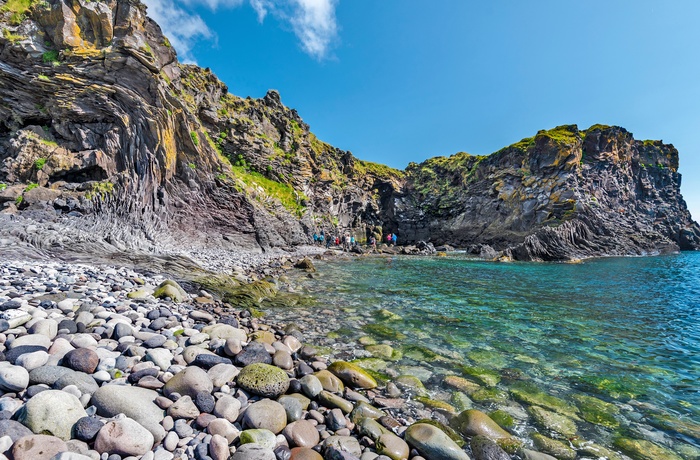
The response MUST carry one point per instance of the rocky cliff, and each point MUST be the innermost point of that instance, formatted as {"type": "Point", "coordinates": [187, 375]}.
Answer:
{"type": "Point", "coordinates": [108, 144]}
{"type": "Point", "coordinates": [562, 194]}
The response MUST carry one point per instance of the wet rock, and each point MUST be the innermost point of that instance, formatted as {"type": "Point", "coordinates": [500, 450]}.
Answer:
{"type": "Point", "coordinates": [433, 443]}
{"type": "Point", "coordinates": [86, 428]}
{"type": "Point", "coordinates": [553, 422]}
{"type": "Point", "coordinates": [639, 449]}
{"type": "Point", "coordinates": [392, 446]}
{"type": "Point", "coordinates": [485, 449]}
{"type": "Point", "coordinates": [555, 448]}
{"type": "Point", "coordinates": [352, 375]}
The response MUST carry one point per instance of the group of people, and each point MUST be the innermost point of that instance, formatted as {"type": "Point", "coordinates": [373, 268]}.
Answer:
{"type": "Point", "coordinates": [348, 241]}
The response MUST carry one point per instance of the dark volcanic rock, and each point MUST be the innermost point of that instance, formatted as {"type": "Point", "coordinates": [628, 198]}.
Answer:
{"type": "Point", "coordinates": [164, 180]}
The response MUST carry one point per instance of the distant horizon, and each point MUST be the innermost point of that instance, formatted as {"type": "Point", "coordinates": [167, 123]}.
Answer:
{"type": "Point", "coordinates": [396, 82]}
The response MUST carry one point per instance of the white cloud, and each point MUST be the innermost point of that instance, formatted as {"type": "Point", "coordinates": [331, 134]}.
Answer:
{"type": "Point", "coordinates": [182, 28]}
{"type": "Point", "coordinates": [313, 21]}
{"type": "Point", "coordinates": [262, 7]}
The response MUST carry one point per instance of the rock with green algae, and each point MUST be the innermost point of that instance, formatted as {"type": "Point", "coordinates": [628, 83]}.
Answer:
{"type": "Point", "coordinates": [369, 427]}
{"type": "Point", "coordinates": [263, 336]}
{"type": "Point", "coordinates": [553, 447]}
{"type": "Point", "coordinates": [490, 395]}
{"type": "Point", "coordinates": [473, 422]}
{"type": "Point", "coordinates": [461, 401]}
{"type": "Point", "coordinates": [367, 340]}
{"type": "Point", "coordinates": [481, 375]}
{"type": "Point", "coordinates": [170, 288]}
{"type": "Point", "coordinates": [332, 400]}
{"type": "Point", "coordinates": [679, 425]}
{"type": "Point", "coordinates": [139, 294]}
{"type": "Point", "coordinates": [596, 411]}
{"type": "Point", "coordinates": [528, 393]}
{"type": "Point", "coordinates": [371, 364]}
{"type": "Point", "coordinates": [411, 383]}
{"type": "Point", "coordinates": [386, 315]}
{"type": "Point", "coordinates": [352, 375]}
{"type": "Point", "coordinates": [462, 384]}
{"type": "Point", "coordinates": [384, 351]}
{"type": "Point", "coordinates": [329, 381]}
{"type": "Point", "coordinates": [640, 449]}
{"type": "Point", "coordinates": [552, 421]}
{"type": "Point", "coordinates": [454, 436]}
{"type": "Point", "coordinates": [433, 443]}
{"type": "Point", "coordinates": [365, 410]}
{"type": "Point", "coordinates": [263, 379]}
{"type": "Point", "coordinates": [265, 438]}
{"type": "Point", "coordinates": [383, 331]}
{"type": "Point", "coordinates": [436, 404]}
{"type": "Point", "coordinates": [419, 353]}
{"type": "Point", "coordinates": [594, 450]}
{"type": "Point", "coordinates": [503, 418]}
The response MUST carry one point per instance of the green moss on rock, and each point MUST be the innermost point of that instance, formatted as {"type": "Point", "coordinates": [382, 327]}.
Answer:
{"type": "Point", "coordinates": [528, 393]}
{"type": "Point", "coordinates": [352, 375]}
{"type": "Point", "coordinates": [170, 288]}
{"type": "Point", "coordinates": [503, 418]}
{"type": "Point", "coordinates": [596, 411]}
{"type": "Point", "coordinates": [436, 404]}
{"type": "Point", "coordinates": [264, 380]}
{"type": "Point", "coordinates": [481, 375]}
{"type": "Point", "coordinates": [453, 435]}
{"type": "Point", "coordinates": [553, 447]}
{"type": "Point", "coordinates": [384, 331]}
{"type": "Point", "coordinates": [640, 449]}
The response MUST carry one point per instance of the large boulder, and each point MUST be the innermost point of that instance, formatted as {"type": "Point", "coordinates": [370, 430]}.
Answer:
{"type": "Point", "coordinates": [52, 412]}
{"type": "Point", "coordinates": [135, 402]}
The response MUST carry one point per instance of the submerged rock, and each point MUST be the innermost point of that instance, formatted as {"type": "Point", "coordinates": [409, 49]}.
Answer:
{"type": "Point", "coordinates": [433, 443]}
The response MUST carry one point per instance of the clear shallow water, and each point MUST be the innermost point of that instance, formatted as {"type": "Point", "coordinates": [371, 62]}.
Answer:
{"type": "Point", "coordinates": [626, 330]}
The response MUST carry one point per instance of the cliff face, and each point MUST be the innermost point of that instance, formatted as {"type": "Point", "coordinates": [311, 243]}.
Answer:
{"type": "Point", "coordinates": [108, 144]}
{"type": "Point", "coordinates": [562, 194]}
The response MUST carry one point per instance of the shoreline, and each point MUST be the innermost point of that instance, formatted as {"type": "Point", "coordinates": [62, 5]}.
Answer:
{"type": "Point", "coordinates": [400, 400]}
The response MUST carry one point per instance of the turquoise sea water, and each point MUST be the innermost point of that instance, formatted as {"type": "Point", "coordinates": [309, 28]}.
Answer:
{"type": "Point", "coordinates": [624, 330]}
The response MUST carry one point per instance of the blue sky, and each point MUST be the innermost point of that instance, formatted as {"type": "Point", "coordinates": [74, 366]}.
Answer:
{"type": "Point", "coordinates": [396, 81]}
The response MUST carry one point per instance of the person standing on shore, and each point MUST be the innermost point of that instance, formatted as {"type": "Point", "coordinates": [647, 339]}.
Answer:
{"type": "Point", "coordinates": [373, 243]}
{"type": "Point", "coordinates": [388, 239]}
{"type": "Point", "coordinates": [393, 239]}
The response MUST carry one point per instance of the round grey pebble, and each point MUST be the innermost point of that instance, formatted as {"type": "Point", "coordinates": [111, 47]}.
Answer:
{"type": "Point", "coordinates": [205, 402]}
{"type": "Point", "coordinates": [86, 428]}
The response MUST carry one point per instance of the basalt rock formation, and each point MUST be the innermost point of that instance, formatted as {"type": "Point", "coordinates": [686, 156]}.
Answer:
{"type": "Point", "coordinates": [109, 145]}
{"type": "Point", "coordinates": [562, 194]}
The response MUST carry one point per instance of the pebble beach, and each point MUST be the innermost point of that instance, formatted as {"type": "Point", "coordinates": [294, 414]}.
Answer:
{"type": "Point", "coordinates": [108, 363]}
